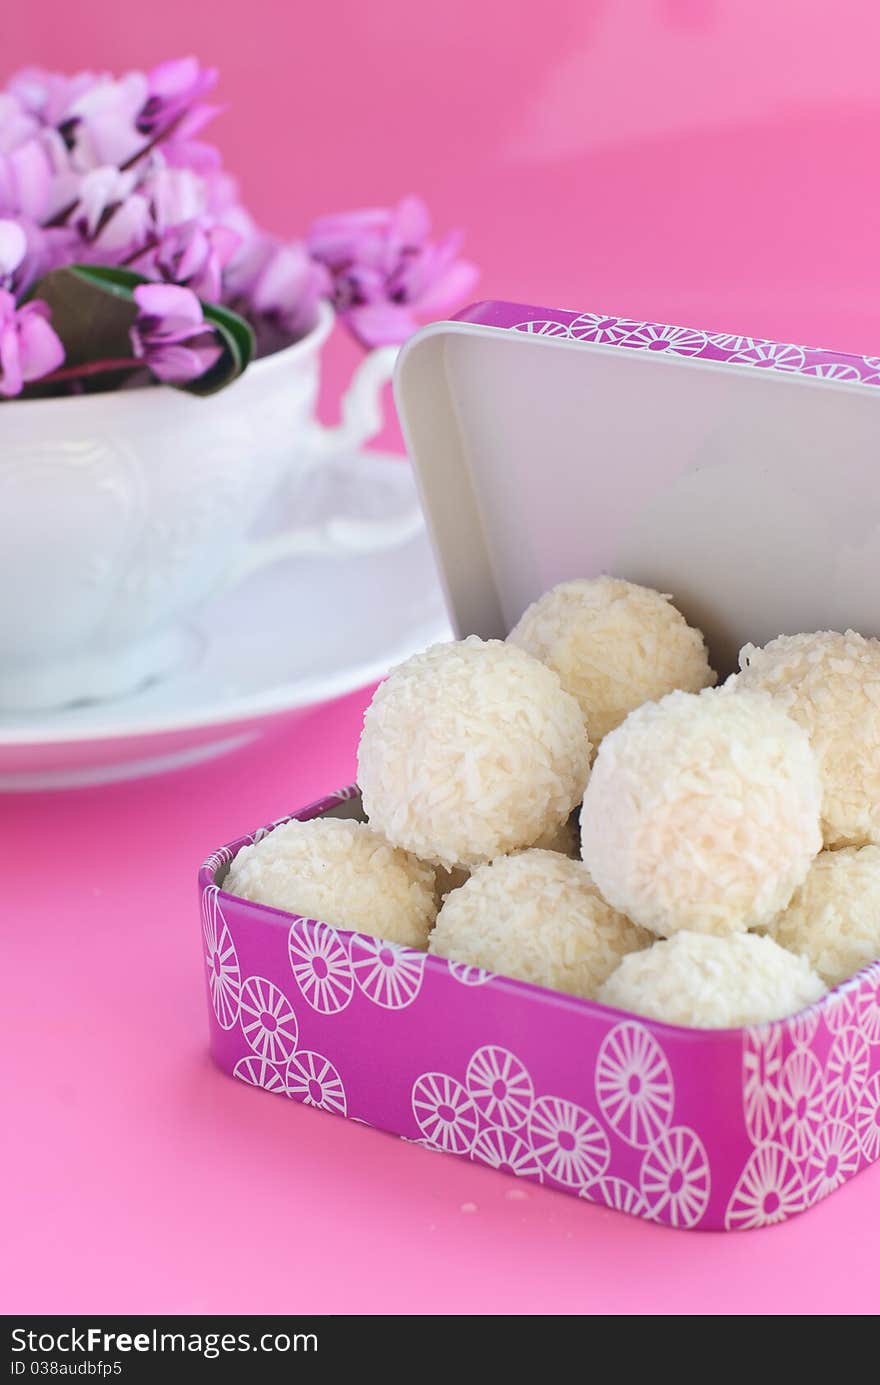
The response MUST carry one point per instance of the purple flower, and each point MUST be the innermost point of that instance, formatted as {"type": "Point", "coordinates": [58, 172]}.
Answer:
{"type": "Point", "coordinates": [170, 334]}
{"type": "Point", "coordinates": [48, 96]}
{"type": "Point", "coordinates": [279, 285]}
{"type": "Point", "coordinates": [100, 125]}
{"type": "Point", "coordinates": [112, 216]}
{"type": "Point", "coordinates": [181, 150]}
{"type": "Point", "coordinates": [194, 254]}
{"type": "Point", "coordinates": [29, 348]}
{"type": "Point", "coordinates": [176, 194]}
{"type": "Point", "coordinates": [17, 125]}
{"type": "Point", "coordinates": [36, 178]}
{"type": "Point", "coordinates": [174, 89]}
{"type": "Point", "coordinates": [114, 171]}
{"type": "Point", "coordinates": [186, 244]}
{"type": "Point", "coordinates": [13, 248]}
{"type": "Point", "coordinates": [385, 270]}
{"type": "Point", "coordinates": [28, 251]}
{"type": "Point", "coordinates": [222, 199]}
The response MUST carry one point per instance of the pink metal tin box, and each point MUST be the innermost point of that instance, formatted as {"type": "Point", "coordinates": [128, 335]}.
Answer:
{"type": "Point", "coordinates": [740, 475]}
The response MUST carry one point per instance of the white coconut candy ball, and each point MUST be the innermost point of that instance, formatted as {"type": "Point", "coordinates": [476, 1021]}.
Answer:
{"type": "Point", "coordinates": [702, 812]}
{"type": "Point", "coordinates": [536, 916]}
{"type": "Point", "coordinates": [614, 645]}
{"type": "Point", "coordinates": [834, 918]}
{"type": "Point", "coordinates": [830, 684]}
{"type": "Point", "coordinates": [565, 839]}
{"type": "Point", "coordinates": [471, 750]}
{"type": "Point", "coordinates": [713, 983]}
{"type": "Point", "coordinates": [341, 872]}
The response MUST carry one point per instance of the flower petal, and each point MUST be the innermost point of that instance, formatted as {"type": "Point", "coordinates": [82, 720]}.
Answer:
{"type": "Point", "coordinates": [13, 246]}
{"type": "Point", "coordinates": [178, 365]}
{"type": "Point", "coordinates": [179, 308]}
{"type": "Point", "coordinates": [40, 347]}
{"type": "Point", "coordinates": [381, 324]}
{"type": "Point", "coordinates": [453, 287]}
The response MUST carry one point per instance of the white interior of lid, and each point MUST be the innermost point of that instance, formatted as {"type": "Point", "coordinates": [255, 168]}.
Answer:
{"type": "Point", "coordinates": [752, 496]}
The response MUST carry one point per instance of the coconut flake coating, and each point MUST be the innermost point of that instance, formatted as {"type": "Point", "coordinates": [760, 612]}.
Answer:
{"type": "Point", "coordinates": [834, 918]}
{"type": "Point", "coordinates": [341, 872]}
{"type": "Point", "coordinates": [471, 750]}
{"type": "Point", "coordinates": [565, 839]}
{"type": "Point", "coordinates": [702, 812]}
{"type": "Point", "coordinates": [830, 684]}
{"type": "Point", "coordinates": [713, 983]}
{"type": "Point", "coordinates": [614, 645]}
{"type": "Point", "coordinates": [536, 916]}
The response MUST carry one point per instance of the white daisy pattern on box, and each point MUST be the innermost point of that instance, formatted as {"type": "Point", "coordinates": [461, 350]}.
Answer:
{"type": "Point", "coordinates": [634, 1085]}
{"type": "Point", "coordinates": [312, 1079]}
{"type": "Point", "coordinates": [505, 1150]}
{"type": "Point", "coordinates": [675, 1179]}
{"type": "Point", "coordinates": [390, 975]}
{"type": "Point", "coordinates": [264, 831]}
{"type": "Point", "coordinates": [345, 795]}
{"type": "Point", "coordinates": [846, 1069]}
{"type": "Point", "coordinates": [803, 1102]}
{"type": "Point", "coordinates": [218, 859]}
{"type": "Point", "coordinates": [839, 1010]}
{"type": "Point", "coordinates": [770, 355]}
{"type": "Point", "coordinates": [803, 1027]}
{"type": "Point", "coordinates": [444, 1112]}
{"type": "Point", "coordinates": [542, 328]}
{"type": "Point", "coordinates": [599, 327]}
{"type": "Point", "coordinates": [762, 1065]}
{"type": "Point", "coordinates": [868, 1118]}
{"type": "Point", "coordinates": [320, 965]}
{"type": "Point", "coordinates": [500, 1087]}
{"type": "Point", "coordinates": [257, 1072]}
{"type": "Point", "coordinates": [469, 976]}
{"type": "Point", "coordinates": [677, 341]}
{"type": "Point", "coordinates": [267, 1020]}
{"type": "Point", "coordinates": [221, 960]}
{"type": "Point", "coordinates": [609, 330]}
{"type": "Point", "coordinates": [728, 342]}
{"type": "Point", "coordinates": [833, 1158]}
{"type": "Point", "coordinates": [769, 1190]}
{"type": "Point", "coordinates": [866, 1010]}
{"type": "Point", "coordinates": [570, 1143]}
{"type": "Point", "coordinates": [833, 370]}
{"type": "Point", "coordinates": [615, 1193]}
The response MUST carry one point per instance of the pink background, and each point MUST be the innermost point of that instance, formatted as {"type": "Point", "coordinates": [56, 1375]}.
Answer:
{"type": "Point", "coordinates": [706, 163]}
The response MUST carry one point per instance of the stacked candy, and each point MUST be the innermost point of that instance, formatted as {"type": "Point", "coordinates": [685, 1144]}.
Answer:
{"type": "Point", "coordinates": [700, 895]}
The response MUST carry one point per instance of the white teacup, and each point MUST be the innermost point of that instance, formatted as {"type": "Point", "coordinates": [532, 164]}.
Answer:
{"type": "Point", "coordinates": [121, 512]}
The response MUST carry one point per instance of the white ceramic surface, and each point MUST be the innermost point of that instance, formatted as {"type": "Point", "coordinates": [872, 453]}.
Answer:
{"type": "Point", "coordinates": [121, 513]}
{"type": "Point", "coordinates": [290, 636]}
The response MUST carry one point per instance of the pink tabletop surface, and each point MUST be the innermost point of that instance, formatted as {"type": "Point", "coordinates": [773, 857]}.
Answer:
{"type": "Point", "coordinates": [679, 160]}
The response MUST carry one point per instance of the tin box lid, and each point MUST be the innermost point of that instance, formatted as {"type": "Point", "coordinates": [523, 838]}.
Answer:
{"type": "Point", "coordinates": [740, 475]}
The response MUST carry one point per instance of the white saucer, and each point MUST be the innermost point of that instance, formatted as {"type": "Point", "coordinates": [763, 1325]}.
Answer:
{"type": "Point", "coordinates": [296, 634]}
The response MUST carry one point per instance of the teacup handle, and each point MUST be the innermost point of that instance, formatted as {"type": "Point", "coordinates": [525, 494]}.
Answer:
{"type": "Point", "coordinates": [363, 524]}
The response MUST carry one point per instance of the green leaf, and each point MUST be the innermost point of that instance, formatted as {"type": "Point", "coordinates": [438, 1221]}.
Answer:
{"type": "Point", "coordinates": [93, 309]}
{"type": "Point", "coordinates": [121, 282]}
{"type": "Point", "coordinates": [236, 327]}
{"type": "Point", "coordinates": [92, 322]}
{"type": "Point", "coordinates": [238, 341]}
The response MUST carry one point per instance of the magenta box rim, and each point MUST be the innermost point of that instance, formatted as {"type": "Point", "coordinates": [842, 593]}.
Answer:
{"type": "Point", "coordinates": [725, 1117]}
